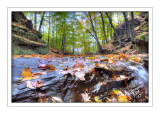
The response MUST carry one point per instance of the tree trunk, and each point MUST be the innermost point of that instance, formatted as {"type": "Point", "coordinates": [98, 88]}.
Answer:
{"type": "Point", "coordinates": [115, 32]}
{"type": "Point", "coordinates": [42, 18]}
{"type": "Point", "coordinates": [110, 21]}
{"type": "Point", "coordinates": [43, 33]}
{"type": "Point", "coordinates": [63, 46]}
{"type": "Point", "coordinates": [132, 17]}
{"type": "Point", "coordinates": [35, 20]}
{"type": "Point", "coordinates": [132, 30]}
{"type": "Point", "coordinates": [52, 33]}
{"type": "Point", "coordinates": [127, 25]}
{"type": "Point", "coordinates": [49, 28]}
{"type": "Point", "coordinates": [103, 27]}
{"type": "Point", "coordinates": [95, 34]}
{"type": "Point", "coordinates": [56, 32]}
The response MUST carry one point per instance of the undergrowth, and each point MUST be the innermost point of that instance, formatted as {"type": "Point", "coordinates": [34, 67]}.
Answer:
{"type": "Point", "coordinates": [19, 50]}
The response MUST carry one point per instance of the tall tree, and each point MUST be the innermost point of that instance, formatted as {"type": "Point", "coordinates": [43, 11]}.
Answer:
{"type": "Point", "coordinates": [115, 32]}
{"type": "Point", "coordinates": [56, 31]}
{"type": "Point", "coordinates": [35, 20]}
{"type": "Point", "coordinates": [132, 28]}
{"type": "Point", "coordinates": [127, 27]}
{"type": "Point", "coordinates": [103, 26]}
{"type": "Point", "coordinates": [42, 19]}
{"type": "Point", "coordinates": [52, 32]}
{"type": "Point", "coordinates": [63, 41]}
{"type": "Point", "coordinates": [49, 27]}
{"type": "Point", "coordinates": [95, 34]}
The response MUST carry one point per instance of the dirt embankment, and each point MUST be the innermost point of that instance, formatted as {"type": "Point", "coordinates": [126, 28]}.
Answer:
{"type": "Point", "coordinates": [131, 45]}
{"type": "Point", "coordinates": [25, 38]}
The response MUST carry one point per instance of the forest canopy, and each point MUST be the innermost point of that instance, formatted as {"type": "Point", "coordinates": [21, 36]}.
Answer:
{"type": "Point", "coordinates": [78, 32]}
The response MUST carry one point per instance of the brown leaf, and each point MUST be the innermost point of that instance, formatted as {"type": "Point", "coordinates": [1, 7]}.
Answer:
{"type": "Point", "coordinates": [46, 66]}
{"type": "Point", "coordinates": [78, 65]}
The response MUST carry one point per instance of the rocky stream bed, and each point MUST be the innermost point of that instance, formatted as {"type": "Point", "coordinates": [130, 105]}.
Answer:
{"type": "Point", "coordinates": [81, 79]}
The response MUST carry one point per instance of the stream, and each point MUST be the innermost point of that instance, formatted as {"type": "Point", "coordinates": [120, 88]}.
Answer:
{"type": "Point", "coordinates": [63, 86]}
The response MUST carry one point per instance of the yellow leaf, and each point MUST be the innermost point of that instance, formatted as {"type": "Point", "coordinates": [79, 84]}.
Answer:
{"type": "Point", "coordinates": [122, 99]}
{"type": "Point", "coordinates": [26, 72]}
{"type": "Point", "coordinates": [90, 58]}
{"type": "Point", "coordinates": [97, 100]}
{"type": "Point", "coordinates": [111, 61]}
{"type": "Point", "coordinates": [117, 92]}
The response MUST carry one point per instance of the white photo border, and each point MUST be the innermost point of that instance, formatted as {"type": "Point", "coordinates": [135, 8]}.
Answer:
{"type": "Point", "coordinates": [9, 48]}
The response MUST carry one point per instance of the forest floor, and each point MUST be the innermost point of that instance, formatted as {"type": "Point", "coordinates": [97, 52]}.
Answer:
{"type": "Point", "coordinates": [80, 78]}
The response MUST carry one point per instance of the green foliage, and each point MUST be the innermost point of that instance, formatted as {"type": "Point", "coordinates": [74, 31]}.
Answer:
{"type": "Point", "coordinates": [144, 37]}
{"type": "Point", "coordinates": [73, 27]}
{"type": "Point", "coordinates": [16, 50]}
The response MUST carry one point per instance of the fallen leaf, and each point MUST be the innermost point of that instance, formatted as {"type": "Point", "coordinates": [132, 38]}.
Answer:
{"type": "Point", "coordinates": [114, 100]}
{"type": "Point", "coordinates": [118, 92]}
{"type": "Point", "coordinates": [90, 58]}
{"type": "Point", "coordinates": [67, 72]}
{"type": "Point", "coordinates": [37, 84]}
{"type": "Point", "coordinates": [80, 75]}
{"type": "Point", "coordinates": [122, 99]}
{"type": "Point", "coordinates": [38, 73]}
{"type": "Point", "coordinates": [26, 72]}
{"type": "Point", "coordinates": [137, 59]}
{"type": "Point", "coordinates": [57, 100]}
{"type": "Point", "coordinates": [106, 59]}
{"type": "Point", "coordinates": [29, 85]}
{"type": "Point", "coordinates": [97, 65]}
{"type": "Point", "coordinates": [85, 97]}
{"type": "Point", "coordinates": [33, 55]}
{"type": "Point", "coordinates": [46, 66]}
{"type": "Point", "coordinates": [111, 61]}
{"type": "Point", "coordinates": [78, 65]}
{"type": "Point", "coordinates": [34, 85]}
{"type": "Point", "coordinates": [42, 98]}
{"type": "Point", "coordinates": [97, 99]}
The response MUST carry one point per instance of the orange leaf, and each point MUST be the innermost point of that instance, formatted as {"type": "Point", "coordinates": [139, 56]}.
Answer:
{"type": "Point", "coordinates": [111, 61]}
{"type": "Point", "coordinates": [26, 72]}
{"type": "Point", "coordinates": [106, 59]}
{"type": "Point", "coordinates": [33, 55]}
{"type": "Point", "coordinates": [137, 59]}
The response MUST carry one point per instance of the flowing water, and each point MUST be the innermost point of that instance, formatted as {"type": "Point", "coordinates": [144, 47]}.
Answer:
{"type": "Point", "coordinates": [139, 72]}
